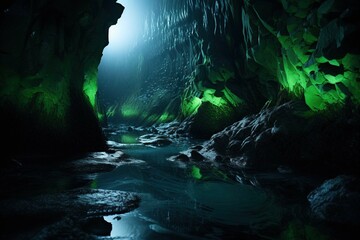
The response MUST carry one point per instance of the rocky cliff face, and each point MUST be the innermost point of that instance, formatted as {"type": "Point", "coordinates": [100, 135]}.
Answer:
{"type": "Point", "coordinates": [215, 61]}
{"type": "Point", "coordinates": [49, 53]}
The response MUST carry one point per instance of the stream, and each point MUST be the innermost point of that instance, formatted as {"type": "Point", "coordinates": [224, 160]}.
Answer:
{"type": "Point", "coordinates": [183, 200]}
{"type": "Point", "coordinates": [97, 194]}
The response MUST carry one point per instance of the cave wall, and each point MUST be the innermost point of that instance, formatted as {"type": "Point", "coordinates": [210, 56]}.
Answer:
{"type": "Point", "coordinates": [49, 54]}
{"type": "Point", "coordinates": [213, 62]}
{"type": "Point", "coordinates": [310, 47]}
{"type": "Point", "coordinates": [189, 55]}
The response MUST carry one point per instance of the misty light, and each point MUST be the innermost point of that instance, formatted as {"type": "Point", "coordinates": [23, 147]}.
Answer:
{"type": "Point", "coordinates": [125, 34]}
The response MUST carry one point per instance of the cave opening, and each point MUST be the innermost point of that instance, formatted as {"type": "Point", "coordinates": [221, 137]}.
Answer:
{"type": "Point", "coordinates": [169, 119]}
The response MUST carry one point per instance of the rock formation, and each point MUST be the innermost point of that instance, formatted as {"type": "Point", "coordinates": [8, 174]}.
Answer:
{"type": "Point", "coordinates": [49, 54]}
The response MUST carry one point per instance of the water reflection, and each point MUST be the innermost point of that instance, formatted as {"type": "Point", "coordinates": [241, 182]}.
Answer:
{"type": "Point", "coordinates": [175, 205]}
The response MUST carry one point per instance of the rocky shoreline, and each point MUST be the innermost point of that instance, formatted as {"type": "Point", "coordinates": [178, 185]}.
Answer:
{"type": "Point", "coordinates": [60, 200]}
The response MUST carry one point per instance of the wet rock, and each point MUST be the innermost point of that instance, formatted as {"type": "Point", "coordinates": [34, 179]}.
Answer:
{"type": "Point", "coordinates": [80, 202]}
{"type": "Point", "coordinates": [196, 156]}
{"type": "Point", "coordinates": [67, 228]}
{"type": "Point", "coordinates": [197, 147]}
{"type": "Point", "coordinates": [211, 118]}
{"type": "Point", "coordinates": [220, 141]}
{"type": "Point", "coordinates": [53, 67]}
{"type": "Point", "coordinates": [155, 140]}
{"type": "Point", "coordinates": [64, 215]}
{"type": "Point", "coordinates": [273, 138]}
{"type": "Point", "coordinates": [219, 158]}
{"type": "Point", "coordinates": [337, 200]}
{"type": "Point", "coordinates": [98, 162]}
{"type": "Point", "coordinates": [111, 150]}
{"type": "Point", "coordinates": [96, 226]}
{"type": "Point", "coordinates": [235, 146]}
{"type": "Point", "coordinates": [182, 157]}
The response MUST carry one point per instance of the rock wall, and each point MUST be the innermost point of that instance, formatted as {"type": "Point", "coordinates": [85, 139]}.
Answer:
{"type": "Point", "coordinates": [213, 62]}
{"type": "Point", "coordinates": [309, 47]}
{"type": "Point", "coordinates": [49, 53]}
{"type": "Point", "coordinates": [189, 55]}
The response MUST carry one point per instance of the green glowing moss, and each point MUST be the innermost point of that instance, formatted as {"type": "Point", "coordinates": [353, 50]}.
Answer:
{"type": "Point", "coordinates": [129, 111]}
{"type": "Point", "coordinates": [309, 38]}
{"type": "Point", "coordinates": [319, 89]}
{"type": "Point", "coordinates": [90, 86]}
{"type": "Point", "coordinates": [351, 61]}
{"type": "Point", "coordinates": [128, 138]}
{"type": "Point", "coordinates": [234, 100]}
{"type": "Point", "coordinates": [319, 100]}
{"type": "Point", "coordinates": [190, 106]}
{"type": "Point", "coordinates": [220, 75]}
{"type": "Point", "coordinates": [334, 62]}
{"type": "Point", "coordinates": [152, 118]}
{"type": "Point", "coordinates": [334, 79]}
{"type": "Point", "coordinates": [208, 96]}
{"type": "Point", "coordinates": [301, 53]}
{"type": "Point", "coordinates": [298, 57]}
{"type": "Point", "coordinates": [322, 59]}
{"type": "Point", "coordinates": [196, 173]}
{"type": "Point", "coordinates": [50, 103]}
{"type": "Point", "coordinates": [293, 79]}
{"type": "Point", "coordinates": [313, 98]}
{"type": "Point", "coordinates": [100, 116]}
{"type": "Point", "coordinates": [44, 96]}
{"type": "Point", "coordinates": [111, 111]}
{"type": "Point", "coordinates": [165, 117]}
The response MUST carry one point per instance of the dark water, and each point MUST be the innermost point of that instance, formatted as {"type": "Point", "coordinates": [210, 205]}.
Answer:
{"type": "Point", "coordinates": [185, 201]}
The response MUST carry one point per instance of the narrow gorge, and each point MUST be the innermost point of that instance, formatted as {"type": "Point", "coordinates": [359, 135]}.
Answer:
{"type": "Point", "coordinates": [180, 119]}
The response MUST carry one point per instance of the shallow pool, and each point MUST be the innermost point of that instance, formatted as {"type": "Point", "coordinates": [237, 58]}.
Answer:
{"type": "Point", "coordinates": [185, 201]}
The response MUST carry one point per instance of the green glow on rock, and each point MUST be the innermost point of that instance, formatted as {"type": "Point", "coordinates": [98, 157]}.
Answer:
{"type": "Point", "coordinates": [313, 98]}
{"type": "Point", "coordinates": [232, 98]}
{"type": "Point", "coordinates": [90, 86]}
{"type": "Point", "coordinates": [50, 103]}
{"type": "Point", "coordinates": [310, 82]}
{"type": "Point", "coordinates": [165, 117]}
{"type": "Point", "coordinates": [100, 116]}
{"type": "Point", "coordinates": [309, 38]}
{"type": "Point", "coordinates": [111, 111]}
{"type": "Point", "coordinates": [196, 173]}
{"type": "Point", "coordinates": [152, 118]}
{"type": "Point", "coordinates": [334, 62]}
{"type": "Point", "coordinates": [320, 100]}
{"type": "Point", "coordinates": [220, 75]}
{"type": "Point", "coordinates": [190, 106]}
{"type": "Point", "coordinates": [334, 79]}
{"type": "Point", "coordinates": [209, 96]}
{"type": "Point", "coordinates": [129, 111]}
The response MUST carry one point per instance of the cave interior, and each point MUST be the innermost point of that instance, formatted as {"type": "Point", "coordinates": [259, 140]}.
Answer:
{"type": "Point", "coordinates": [191, 119]}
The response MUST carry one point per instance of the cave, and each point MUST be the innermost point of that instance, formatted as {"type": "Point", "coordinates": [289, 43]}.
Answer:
{"type": "Point", "coordinates": [169, 119]}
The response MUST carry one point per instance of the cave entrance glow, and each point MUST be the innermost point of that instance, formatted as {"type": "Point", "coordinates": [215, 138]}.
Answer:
{"type": "Point", "coordinates": [120, 70]}
{"type": "Point", "coordinates": [129, 28]}
{"type": "Point", "coordinates": [138, 73]}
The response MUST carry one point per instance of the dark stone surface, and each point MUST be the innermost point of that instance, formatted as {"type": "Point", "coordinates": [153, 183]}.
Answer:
{"type": "Point", "coordinates": [50, 50]}
{"type": "Point", "coordinates": [155, 140]}
{"type": "Point", "coordinates": [337, 200]}
{"type": "Point", "coordinates": [59, 199]}
{"type": "Point", "coordinates": [96, 226]}
{"type": "Point", "coordinates": [196, 156]}
{"type": "Point", "coordinates": [288, 136]}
